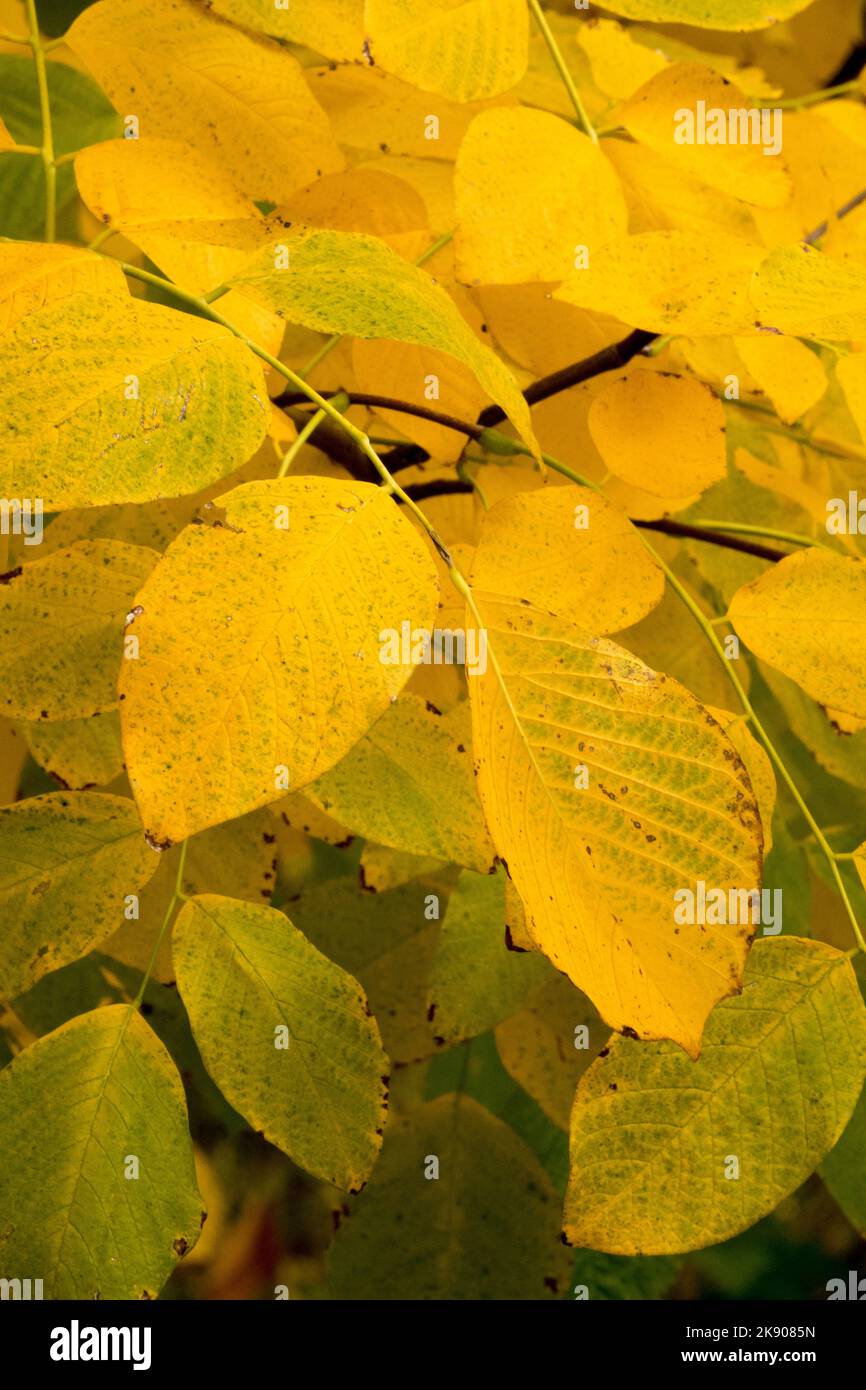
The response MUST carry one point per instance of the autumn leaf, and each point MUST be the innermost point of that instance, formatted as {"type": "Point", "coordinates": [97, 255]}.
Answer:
{"type": "Point", "coordinates": [117, 1099]}
{"type": "Point", "coordinates": [657, 1131]}
{"type": "Point", "coordinates": [608, 789]}
{"type": "Point", "coordinates": [275, 608]}
{"type": "Point", "coordinates": [309, 1071]}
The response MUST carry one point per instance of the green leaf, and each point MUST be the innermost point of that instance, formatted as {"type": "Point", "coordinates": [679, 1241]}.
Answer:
{"type": "Point", "coordinates": [80, 116]}
{"type": "Point", "coordinates": [75, 1109]}
{"type": "Point", "coordinates": [387, 940]}
{"type": "Point", "coordinates": [117, 400]}
{"type": "Point", "coordinates": [68, 861]}
{"type": "Point", "coordinates": [484, 1229]}
{"type": "Point", "coordinates": [409, 784]}
{"type": "Point", "coordinates": [842, 1169]}
{"type": "Point", "coordinates": [318, 1090]}
{"type": "Point", "coordinates": [653, 1134]}
{"type": "Point", "coordinates": [61, 629]}
{"type": "Point", "coordinates": [342, 282]}
{"type": "Point", "coordinates": [476, 981]}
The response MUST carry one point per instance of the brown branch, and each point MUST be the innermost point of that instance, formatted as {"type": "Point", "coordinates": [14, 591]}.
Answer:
{"type": "Point", "coordinates": [423, 412]}
{"type": "Point", "coordinates": [607, 360]}
{"type": "Point", "coordinates": [705, 533]}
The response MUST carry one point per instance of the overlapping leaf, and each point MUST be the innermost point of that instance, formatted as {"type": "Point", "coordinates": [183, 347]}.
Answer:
{"type": "Point", "coordinates": [77, 1110]}
{"type": "Point", "coordinates": [608, 788]}
{"type": "Point", "coordinates": [285, 1034]}
{"type": "Point", "coordinates": [68, 862]}
{"type": "Point", "coordinates": [259, 647]}
{"type": "Point", "coordinates": [655, 1137]}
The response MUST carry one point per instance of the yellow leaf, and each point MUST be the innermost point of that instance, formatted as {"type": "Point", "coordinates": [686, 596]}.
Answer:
{"type": "Point", "coordinates": [851, 376]}
{"type": "Point", "coordinates": [13, 756]}
{"type": "Point", "coordinates": [758, 766]}
{"type": "Point", "coordinates": [532, 193]}
{"type": "Point", "coordinates": [268, 640]}
{"type": "Point", "coordinates": [661, 196]}
{"type": "Point", "coordinates": [338, 282]}
{"type": "Point", "coordinates": [660, 432]}
{"type": "Point", "coordinates": [541, 333]}
{"type": "Point", "coordinates": [61, 629]}
{"type": "Point", "coordinates": [373, 113]}
{"type": "Point", "coordinates": [187, 76]}
{"type": "Point", "coordinates": [569, 551]}
{"type": "Point", "coordinates": [332, 27]}
{"type": "Point", "coordinates": [608, 789]}
{"type": "Point", "coordinates": [185, 214]}
{"type": "Point", "coordinates": [33, 275]}
{"type": "Point", "coordinates": [6, 140]}
{"type": "Point", "coordinates": [462, 49]}
{"type": "Point", "coordinates": [669, 282]}
{"type": "Point", "coordinates": [112, 399]}
{"type": "Point", "coordinates": [806, 616]}
{"type": "Point", "coordinates": [619, 63]}
{"type": "Point", "coordinates": [800, 291]}
{"type": "Point", "coordinates": [787, 371]}
{"type": "Point", "coordinates": [406, 372]}
{"type": "Point", "coordinates": [364, 200]}
{"type": "Point", "coordinates": [657, 1132]}
{"type": "Point", "coordinates": [666, 114]}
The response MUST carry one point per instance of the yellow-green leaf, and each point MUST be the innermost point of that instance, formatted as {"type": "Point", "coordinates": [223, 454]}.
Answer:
{"type": "Point", "coordinates": [75, 1107]}
{"type": "Point", "coordinates": [808, 294]}
{"type": "Point", "coordinates": [237, 859]}
{"type": "Point", "coordinates": [68, 863]}
{"type": "Point", "coordinates": [608, 789]}
{"type": "Point", "coordinates": [476, 981]}
{"type": "Point", "coordinates": [462, 49]}
{"type": "Point", "coordinates": [341, 282]}
{"type": "Point", "coordinates": [387, 940]}
{"type": "Point", "coordinates": [654, 1136]}
{"type": "Point", "coordinates": [409, 784]}
{"type": "Point", "coordinates": [453, 1237]}
{"type": "Point", "coordinates": [188, 76]}
{"type": "Point", "coordinates": [710, 14]}
{"type": "Point", "coordinates": [332, 27]}
{"type": "Point", "coordinates": [842, 1169]}
{"type": "Point", "coordinates": [61, 629]}
{"type": "Point", "coordinates": [109, 399]}
{"type": "Point", "coordinates": [78, 753]}
{"type": "Point", "coordinates": [806, 616]}
{"type": "Point", "coordinates": [531, 192]}
{"type": "Point", "coordinates": [549, 1044]}
{"type": "Point", "coordinates": [285, 1034]}
{"type": "Point", "coordinates": [267, 642]}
